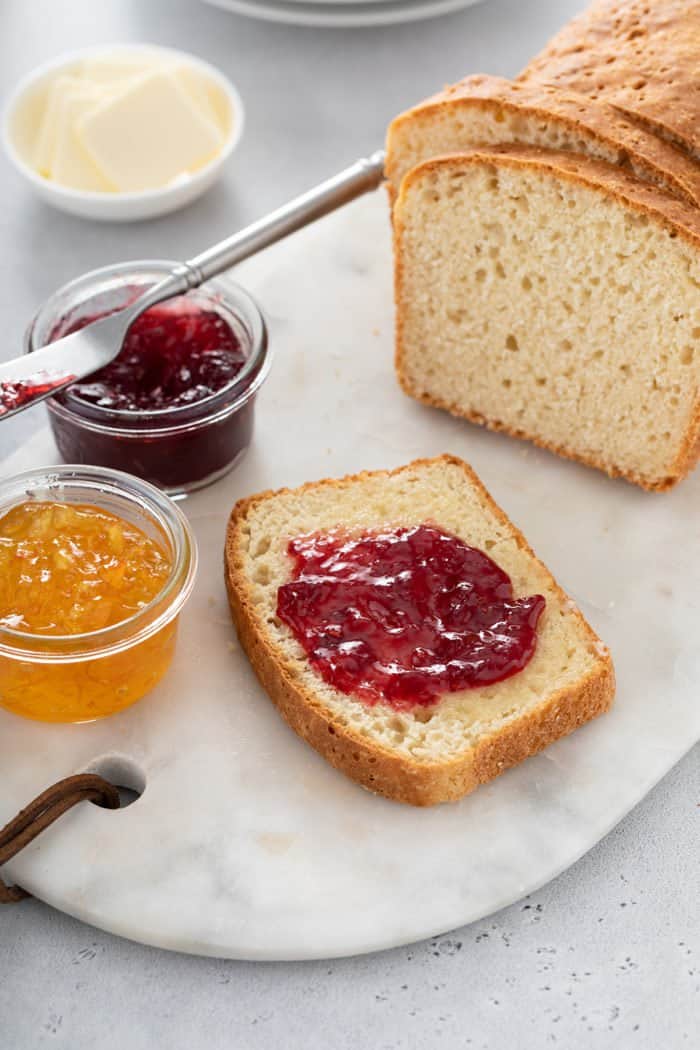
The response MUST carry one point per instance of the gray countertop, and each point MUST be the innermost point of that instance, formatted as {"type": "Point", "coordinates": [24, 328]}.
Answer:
{"type": "Point", "coordinates": [605, 956]}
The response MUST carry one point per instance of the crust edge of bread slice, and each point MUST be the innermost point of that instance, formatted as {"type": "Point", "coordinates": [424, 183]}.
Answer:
{"type": "Point", "coordinates": [639, 151]}
{"type": "Point", "coordinates": [678, 216]}
{"type": "Point", "coordinates": [378, 768]}
{"type": "Point", "coordinates": [598, 51]}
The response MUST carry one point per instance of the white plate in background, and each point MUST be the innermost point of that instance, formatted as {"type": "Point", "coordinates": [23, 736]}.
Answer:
{"type": "Point", "coordinates": [342, 13]}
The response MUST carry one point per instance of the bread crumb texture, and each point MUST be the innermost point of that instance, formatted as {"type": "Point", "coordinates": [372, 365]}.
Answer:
{"type": "Point", "coordinates": [423, 755]}
{"type": "Point", "coordinates": [558, 299]}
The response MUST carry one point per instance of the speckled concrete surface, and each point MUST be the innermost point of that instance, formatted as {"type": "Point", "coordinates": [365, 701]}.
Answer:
{"type": "Point", "coordinates": [608, 955]}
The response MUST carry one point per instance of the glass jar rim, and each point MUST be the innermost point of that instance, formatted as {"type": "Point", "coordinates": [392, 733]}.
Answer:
{"type": "Point", "coordinates": [156, 421]}
{"type": "Point", "coordinates": [147, 500]}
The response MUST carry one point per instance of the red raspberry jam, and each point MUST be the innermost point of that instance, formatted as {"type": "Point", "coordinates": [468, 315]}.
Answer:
{"type": "Point", "coordinates": [174, 354]}
{"type": "Point", "coordinates": [177, 405]}
{"type": "Point", "coordinates": [402, 616]}
{"type": "Point", "coordinates": [13, 395]}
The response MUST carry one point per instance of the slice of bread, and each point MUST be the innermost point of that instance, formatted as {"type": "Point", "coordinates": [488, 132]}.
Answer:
{"type": "Point", "coordinates": [640, 56]}
{"type": "Point", "coordinates": [556, 298]}
{"type": "Point", "coordinates": [424, 755]}
{"type": "Point", "coordinates": [490, 111]}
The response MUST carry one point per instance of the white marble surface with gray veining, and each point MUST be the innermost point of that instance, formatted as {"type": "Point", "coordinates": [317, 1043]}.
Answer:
{"type": "Point", "coordinates": [290, 859]}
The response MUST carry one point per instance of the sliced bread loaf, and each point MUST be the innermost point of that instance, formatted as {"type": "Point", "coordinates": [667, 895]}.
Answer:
{"type": "Point", "coordinates": [486, 111]}
{"type": "Point", "coordinates": [640, 56]}
{"type": "Point", "coordinates": [556, 298]}
{"type": "Point", "coordinates": [423, 755]}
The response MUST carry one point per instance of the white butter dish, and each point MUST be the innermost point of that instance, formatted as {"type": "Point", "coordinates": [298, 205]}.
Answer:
{"type": "Point", "coordinates": [22, 128]}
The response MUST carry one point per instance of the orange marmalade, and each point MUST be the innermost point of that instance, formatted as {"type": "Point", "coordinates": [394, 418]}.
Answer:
{"type": "Point", "coordinates": [70, 575]}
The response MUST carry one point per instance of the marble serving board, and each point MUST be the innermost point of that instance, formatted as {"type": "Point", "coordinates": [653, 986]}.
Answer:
{"type": "Point", "coordinates": [245, 843]}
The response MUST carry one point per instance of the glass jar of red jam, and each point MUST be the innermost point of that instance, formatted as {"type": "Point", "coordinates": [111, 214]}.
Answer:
{"type": "Point", "coordinates": [177, 407]}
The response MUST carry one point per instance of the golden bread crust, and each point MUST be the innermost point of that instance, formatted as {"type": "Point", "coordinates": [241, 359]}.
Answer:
{"type": "Point", "coordinates": [378, 768]}
{"type": "Point", "coordinates": [640, 56]}
{"type": "Point", "coordinates": [641, 151]}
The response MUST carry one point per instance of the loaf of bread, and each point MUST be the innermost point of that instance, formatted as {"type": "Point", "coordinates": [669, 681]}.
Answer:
{"type": "Point", "coordinates": [487, 111]}
{"type": "Point", "coordinates": [420, 755]}
{"type": "Point", "coordinates": [556, 298]}
{"type": "Point", "coordinates": [641, 56]}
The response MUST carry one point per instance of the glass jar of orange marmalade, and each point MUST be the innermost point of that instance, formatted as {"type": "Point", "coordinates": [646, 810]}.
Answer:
{"type": "Point", "coordinates": [110, 561]}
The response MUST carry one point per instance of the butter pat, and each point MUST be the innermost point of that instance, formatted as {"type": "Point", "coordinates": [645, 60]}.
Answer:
{"type": "Point", "coordinates": [45, 145]}
{"type": "Point", "coordinates": [127, 120]}
{"type": "Point", "coordinates": [70, 165]}
{"type": "Point", "coordinates": [148, 133]}
{"type": "Point", "coordinates": [120, 66]}
{"type": "Point", "coordinates": [200, 93]}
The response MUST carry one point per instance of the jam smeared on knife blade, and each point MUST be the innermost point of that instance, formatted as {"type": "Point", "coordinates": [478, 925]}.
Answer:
{"type": "Point", "coordinates": [404, 615]}
{"type": "Point", "coordinates": [14, 395]}
{"type": "Point", "coordinates": [174, 354]}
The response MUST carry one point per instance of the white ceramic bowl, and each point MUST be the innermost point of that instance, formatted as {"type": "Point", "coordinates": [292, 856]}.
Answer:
{"type": "Point", "coordinates": [27, 101]}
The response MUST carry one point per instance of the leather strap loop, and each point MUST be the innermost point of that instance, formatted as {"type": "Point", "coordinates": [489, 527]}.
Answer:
{"type": "Point", "coordinates": [43, 811]}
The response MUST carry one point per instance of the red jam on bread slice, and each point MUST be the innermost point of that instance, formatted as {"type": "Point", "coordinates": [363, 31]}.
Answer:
{"type": "Point", "coordinates": [402, 616]}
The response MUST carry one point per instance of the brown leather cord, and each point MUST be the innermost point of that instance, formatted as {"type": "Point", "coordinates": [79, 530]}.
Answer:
{"type": "Point", "coordinates": [43, 811]}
